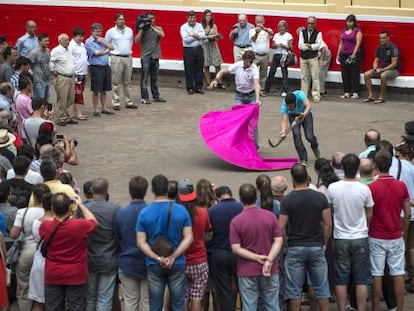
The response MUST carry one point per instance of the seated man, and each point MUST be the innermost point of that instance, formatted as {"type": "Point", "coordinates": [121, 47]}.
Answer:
{"type": "Point", "coordinates": [388, 55]}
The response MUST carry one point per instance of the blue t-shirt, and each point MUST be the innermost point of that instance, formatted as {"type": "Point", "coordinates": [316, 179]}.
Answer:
{"type": "Point", "coordinates": [276, 208]}
{"type": "Point", "coordinates": [152, 220]}
{"type": "Point", "coordinates": [221, 216]}
{"type": "Point", "coordinates": [3, 224]}
{"type": "Point", "coordinates": [131, 258]}
{"type": "Point", "coordinates": [299, 107]}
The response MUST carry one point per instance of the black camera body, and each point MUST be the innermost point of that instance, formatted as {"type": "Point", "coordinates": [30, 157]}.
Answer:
{"type": "Point", "coordinates": [143, 19]}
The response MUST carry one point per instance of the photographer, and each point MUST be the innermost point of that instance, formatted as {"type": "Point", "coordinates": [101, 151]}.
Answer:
{"type": "Point", "coordinates": [149, 35]}
{"type": "Point", "coordinates": [67, 147]}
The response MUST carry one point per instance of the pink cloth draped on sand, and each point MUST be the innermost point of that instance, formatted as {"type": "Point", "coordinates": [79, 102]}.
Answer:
{"type": "Point", "coordinates": [230, 135]}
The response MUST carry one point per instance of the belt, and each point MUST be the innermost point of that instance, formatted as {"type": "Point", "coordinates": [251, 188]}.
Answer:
{"type": "Point", "coordinates": [120, 55]}
{"type": "Point", "coordinates": [192, 47]}
{"type": "Point", "coordinates": [260, 54]}
{"type": "Point", "coordinates": [243, 46]}
{"type": "Point", "coordinates": [67, 76]}
{"type": "Point", "coordinates": [246, 94]}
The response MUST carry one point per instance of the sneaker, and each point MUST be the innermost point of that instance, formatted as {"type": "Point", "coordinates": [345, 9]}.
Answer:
{"type": "Point", "coordinates": [71, 121]}
{"type": "Point", "coordinates": [304, 163]}
{"type": "Point", "coordinates": [160, 100]}
{"type": "Point", "coordinates": [263, 94]}
{"type": "Point", "coordinates": [317, 153]}
{"type": "Point", "coordinates": [355, 96]}
{"type": "Point", "coordinates": [131, 106]}
{"type": "Point", "coordinates": [145, 101]}
{"type": "Point", "coordinates": [96, 114]}
{"type": "Point", "coordinates": [316, 99]}
{"type": "Point", "coordinates": [346, 95]}
{"type": "Point", "coordinates": [117, 107]}
{"type": "Point", "coordinates": [283, 94]}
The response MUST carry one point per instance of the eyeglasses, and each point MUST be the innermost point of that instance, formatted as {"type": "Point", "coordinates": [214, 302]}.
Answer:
{"type": "Point", "coordinates": [311, 23]}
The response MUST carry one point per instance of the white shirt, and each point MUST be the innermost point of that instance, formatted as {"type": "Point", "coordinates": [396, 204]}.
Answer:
{"type": "Point", "coordinates": [80, 57]}
{"type": "Point", "coordinates": [314, 47]}
{"type": "Point", "coordinates": [282, 39]}
{"type": "Point", "coordinates": [244, 77]}
{"type": "Point", "coordinates": [122, 40]}
{"type": "Point", "coordinates": [62, 61]}
{"type": "Point", "coordinates": [349, 200]}
{"type": "Point", "coordinates": [186, 31]}
{"type": "Point", "coordinates": [31, 177]}
{"type": "Point", "coordinates": [261, 45]}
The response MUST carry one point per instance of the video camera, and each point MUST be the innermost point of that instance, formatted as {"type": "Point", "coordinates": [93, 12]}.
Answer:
{"type": "Point", "coordinates": [143, 19]}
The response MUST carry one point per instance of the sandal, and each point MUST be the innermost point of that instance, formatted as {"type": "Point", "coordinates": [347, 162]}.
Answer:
{"type": "Point", "coordinates": [82, 117]}
{"type": "Point", "coordinates": [368, 100]}
{"type": "Point", "coordinates": [380, 101]}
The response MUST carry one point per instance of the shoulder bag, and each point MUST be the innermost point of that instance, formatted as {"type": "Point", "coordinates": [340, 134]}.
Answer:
{"type": "Point", "coordinates": [14, 252]}
{"type": "Point", "coordinates": [161, 245]}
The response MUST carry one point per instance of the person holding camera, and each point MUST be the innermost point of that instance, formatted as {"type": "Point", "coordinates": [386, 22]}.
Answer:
{"type": "Point", "coordinates": [149, 35]}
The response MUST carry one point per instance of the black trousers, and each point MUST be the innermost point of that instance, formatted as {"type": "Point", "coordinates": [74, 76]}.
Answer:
{"type": "Point", "coordinates": [193, 67]}
{"type": "Point", "coordinates": [224, 266]}
{"type": "Point", "coordinates": [350, 73]}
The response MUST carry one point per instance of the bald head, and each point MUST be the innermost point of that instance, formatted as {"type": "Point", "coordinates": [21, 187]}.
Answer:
{"type": "Point", "coordinates": [63, 40]}
{"type": "Point", "coordinates": [372, 136]}
{"type": "Point", "coordinates": [366, 168]}
{"type": "Point", "coordinates": [279, 185]}
{"type": "Point", "coordinates": [337, 159]}
{"type": "Point", "coordinates": [31, 27]}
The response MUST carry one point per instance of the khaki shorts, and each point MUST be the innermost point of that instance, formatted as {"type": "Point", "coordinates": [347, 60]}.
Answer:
{"type": "Point", "coordinates": [390, 74]}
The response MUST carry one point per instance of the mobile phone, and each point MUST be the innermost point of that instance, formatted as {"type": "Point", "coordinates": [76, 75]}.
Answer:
{"type": "Point", "coordinates": [49, 106]}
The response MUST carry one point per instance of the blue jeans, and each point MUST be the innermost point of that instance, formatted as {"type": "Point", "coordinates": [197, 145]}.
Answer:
{"type": "Point", "coordinates": [41, 89]}
{"type": "Point", "coordinates": [149, 67]}
{"type": "Point", "coordinates": [307, 125]}
{"type": "Point", "coordinates": [174, 278]}
{"type": "Point", "coordinates": [301, 261]}
{"type": "Point", "coordinates": [272, 72]}
{"type": "Point", "coordinates": [100, 291]}
{"type": "Point", "coordinates": [253, 287]}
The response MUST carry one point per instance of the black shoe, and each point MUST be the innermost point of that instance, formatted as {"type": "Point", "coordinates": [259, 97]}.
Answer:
{"type": "Point", "coordinates": [200, 92]}
{"type": "Point", "coordinates": [160, 100]}
{"type": "Point", "coordinates": [190, 92]}
{"type": "Point", "coordinates": [106, 111]}
{"type": "Point", "coordinates": [115, 108]}
{"type": "Point", "coordinates": [133, 106]}
{"type": "Point", "coordinates": [71, 121]}
{"type": "Point", "coordinates": [61, 123]}
{"type": "Point", "coordinates": [145, 101]}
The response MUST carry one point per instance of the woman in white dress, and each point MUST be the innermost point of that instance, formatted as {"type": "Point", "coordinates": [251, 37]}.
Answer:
{"type": "Point", "coordinates": [41, 192]}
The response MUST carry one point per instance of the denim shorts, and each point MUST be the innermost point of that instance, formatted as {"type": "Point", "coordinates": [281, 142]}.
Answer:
{"type": "Point", "coordinates": [390, 251]}
{"type": "Point", "coordinates": [352, 256]}
{"type": "Point", "coordinates": [301, 261]}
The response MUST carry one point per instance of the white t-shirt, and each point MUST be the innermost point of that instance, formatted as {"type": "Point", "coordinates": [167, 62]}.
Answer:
{"type": "Point", "coordinates": [282, 39]}
{"type": "Point", "coordinates": [80, 57]}
{"type": "Point", "coordinates": [261, 45]}
{"type": "Point", "coordinates": [349, 200]}
{"type": "Point", "coordinates": [244, 77]}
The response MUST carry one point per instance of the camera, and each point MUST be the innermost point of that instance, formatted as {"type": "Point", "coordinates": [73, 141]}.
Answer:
{"type": "Point", "coordinates": [49, 106]}
{"type": "Point", "coordinates": [59, 136]}
{"type": "Point", "coordinates": [74, 141]}
{"type": "Point", "coordinates": [60, 140]}
{"type": "Point", "coordinates": [143, 19]}
{"type": "Point", "coordinates": [349, 61]}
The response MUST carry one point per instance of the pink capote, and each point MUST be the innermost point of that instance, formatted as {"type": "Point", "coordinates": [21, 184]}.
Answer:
{"type": "Point", "coordinates": [230, 135]}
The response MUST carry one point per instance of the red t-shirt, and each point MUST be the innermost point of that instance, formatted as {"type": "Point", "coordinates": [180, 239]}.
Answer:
{"type": "Point", "coordinates": [389, 195]}
{"type": "Point", "coordinates": [66, 255]}
{"type": "Point", "coordinates": [197, 253]}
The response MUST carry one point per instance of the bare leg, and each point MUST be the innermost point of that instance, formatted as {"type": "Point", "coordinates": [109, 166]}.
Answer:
{"type": "Point", "coordinates": [103, 100]}
{"type": "Point", "coordinates": [207, 75]}
{"type": "Point", "coordinates": [294, 304]}
{"type": "Point", "coordinates": [368, 83]}
{"type": "Point", "coordinates": [341, 297]}
{"type": "Point", "coordinates": [399, 291]}
{"type": "Point", "coordinates": [383, 88]}
{"type": "Point", "coordinates": [376, 292]}
{"type": "Point", "coordinates": [196, 305]}
{"type": "Point", "coordinates": [95, 96]}
{"type": "Point", "coordinates": [324, 304]}
{"type": "Point", "coordinates": [362, 295]}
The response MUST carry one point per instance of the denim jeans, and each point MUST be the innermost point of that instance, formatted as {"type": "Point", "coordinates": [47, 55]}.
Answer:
{"type": "Point", "coordinates": [297, 136]}
{"type": "Point", "coordinates": [149, 67]}
{"type": "Point", "coordinates": [100, 291]}
{"type": "Point", "coordinates": [253, 287]}
{"type": "Point", "coordinates": [272, 72]}
{"type": "Point", "coordinates": [174, 278]}
{"type": "Point", "coordinates": [41, 89]}
{"type": "Point", "coordinates": [301, 261]}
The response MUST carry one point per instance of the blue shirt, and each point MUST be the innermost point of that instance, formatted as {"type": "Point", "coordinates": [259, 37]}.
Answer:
{"type": "Point", "coordinates": [3, 224]}
{"type": "Point", "coordinates": [121, 40]}
{"type": "Point", "coordinates": [131, 258]}
{"type": "Point", "coordinates": [153, 219]}
{"type": "Point", "coordinates": [91, 46]}
{"type": "Point", "coordinates": [299, 107]}
{"type": "Point", "coordinates": [221, 216]}
{"type": "Point", "coordinates": [25, 44]}
{"type": "Point", "coordinates": [243, 38]}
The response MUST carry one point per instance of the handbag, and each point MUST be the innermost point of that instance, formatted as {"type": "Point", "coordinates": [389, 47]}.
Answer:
{"type": "Point", "coordinates": [14, 252]}
{"type": "Point", "coordinates": [292, 58]}
{"type": "Point", "coordinates": [79, 93]}
{"type": "Point", "coordinates": [161, 246]}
